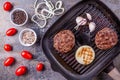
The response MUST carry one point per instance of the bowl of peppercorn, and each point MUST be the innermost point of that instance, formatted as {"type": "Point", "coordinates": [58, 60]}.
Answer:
{"type": "Point", "coordinates": [19, 17]}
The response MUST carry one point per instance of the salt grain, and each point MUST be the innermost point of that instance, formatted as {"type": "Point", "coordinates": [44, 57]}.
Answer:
{"type": "Point", "coordinates": [28, 37]}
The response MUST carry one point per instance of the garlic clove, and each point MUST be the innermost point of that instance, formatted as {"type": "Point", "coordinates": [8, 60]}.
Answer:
{"type": "Point", "coordinates": [81, 21]}
{"type": "Point", "coordinates": [89, 16]}
{"type": "Point", "coordinates": [92, 26]}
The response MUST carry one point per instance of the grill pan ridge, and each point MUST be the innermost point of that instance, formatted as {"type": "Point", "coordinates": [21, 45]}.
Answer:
{"type": "Point", "coordinates": [66, 63]}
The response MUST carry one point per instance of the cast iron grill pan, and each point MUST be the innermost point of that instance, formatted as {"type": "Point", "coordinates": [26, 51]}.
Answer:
{"type": "Point", "coordinates": [66, 64]}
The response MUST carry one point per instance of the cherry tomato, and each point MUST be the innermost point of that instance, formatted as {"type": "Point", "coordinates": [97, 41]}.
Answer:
{"type": "Point", "coordinates": [7, 6]}
{"type": "Point", "coordinates": [7, 47]}
{"type": "Point", "coordinates": [9, 61]}
{"type": "Point", "coordinates": [21, 70]}
{"type": "Point", "coordinates": [39, 67]}
{"type": "Point", "coordinates": [11, 32]}
{"type": "Point", "coordinates": [26, 55]}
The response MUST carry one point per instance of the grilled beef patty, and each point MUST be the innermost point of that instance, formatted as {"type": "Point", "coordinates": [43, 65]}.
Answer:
{"type": "Point", "coordinates": [64, 41]}
{"type": "Point", "coordinates": [106, 38]}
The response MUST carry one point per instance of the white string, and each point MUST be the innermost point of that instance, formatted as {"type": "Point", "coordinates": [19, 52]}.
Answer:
{"type": "Point", "coordinates": [58, 4]}
{"type": "Point", "coordinates": [49, 5]}
{"type": "Point", "coordinates": [35, 3]}
{"type": "Point", "coordinates": [58, 9]}
{"type": "Point", "coordinates": [51, 11]}
{"type": "Point", "coordinates": [41, 26]}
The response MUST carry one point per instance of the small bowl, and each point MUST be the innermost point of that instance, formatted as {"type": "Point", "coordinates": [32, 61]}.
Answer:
{"type": "Point", "coordinates": [18, 9]}
{"type": "Point", "coordinates": [21, 34]}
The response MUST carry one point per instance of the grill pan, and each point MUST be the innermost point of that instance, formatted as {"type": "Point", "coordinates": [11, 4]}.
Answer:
{"type": "Point", "coordinates": [66, 64]}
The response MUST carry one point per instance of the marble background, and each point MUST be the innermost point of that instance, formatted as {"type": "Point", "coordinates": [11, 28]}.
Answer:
{"type": "Point", "coordinates": [8, 73]}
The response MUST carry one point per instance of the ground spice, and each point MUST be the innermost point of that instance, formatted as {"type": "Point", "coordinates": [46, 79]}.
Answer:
{"type": "Point", "coordinates": [19, 17]}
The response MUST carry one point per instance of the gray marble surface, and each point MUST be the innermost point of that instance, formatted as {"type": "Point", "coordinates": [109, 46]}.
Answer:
{"type": "Point", "coordinates": [8, 73]}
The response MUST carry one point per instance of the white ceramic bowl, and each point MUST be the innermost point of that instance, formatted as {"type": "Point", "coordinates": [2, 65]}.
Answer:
{"type": "Point", "coordinates": [21, 34]}
{"type": "Point", "coordinates": [11, 14]}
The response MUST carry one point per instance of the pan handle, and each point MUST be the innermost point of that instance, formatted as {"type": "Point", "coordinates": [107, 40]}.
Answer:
{"type": "Point", "coordinates": [113, 72]}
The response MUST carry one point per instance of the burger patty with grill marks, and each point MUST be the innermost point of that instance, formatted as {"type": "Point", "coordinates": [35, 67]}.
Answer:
{"type": "Point", "coordinates": [106, 38]}
{"type": "Point", "coordinates": [64, 41]}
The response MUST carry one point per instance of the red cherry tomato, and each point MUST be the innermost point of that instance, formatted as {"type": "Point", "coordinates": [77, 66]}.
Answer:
{"type": "Point", "coordinates": [11, 32]}
{"type": "Point", "coordinates": [7, 47]}
{"type": "Point", "coordinates": [7, 6]}
{"type": "Point", "coordinates": [26, 55]}
{"type": "Point", "coordinates": [39, 67]}
{"type": "Point", "coordinates": [9, 61]}
{"type": "Point", "coordinates": [21, 70]}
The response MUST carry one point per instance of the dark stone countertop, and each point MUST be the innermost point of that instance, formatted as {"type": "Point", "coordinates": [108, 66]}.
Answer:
{"type": "Point", "coordinates": [7, 73]}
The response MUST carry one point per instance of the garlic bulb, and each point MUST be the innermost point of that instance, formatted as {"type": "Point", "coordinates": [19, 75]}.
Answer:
{"type": "Point", "coordinates": [92, 26]}
{"type": "Point", "coordinates": [83, 21]}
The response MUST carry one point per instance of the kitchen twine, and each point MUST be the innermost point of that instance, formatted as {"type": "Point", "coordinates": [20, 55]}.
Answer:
{"type": "Point", "coordinates": [51, 11]}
